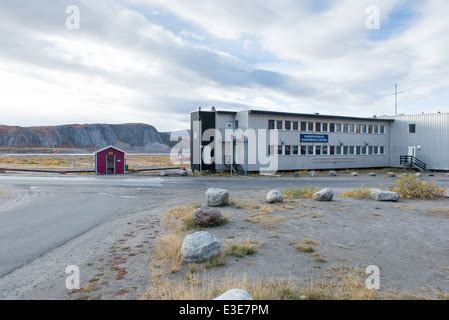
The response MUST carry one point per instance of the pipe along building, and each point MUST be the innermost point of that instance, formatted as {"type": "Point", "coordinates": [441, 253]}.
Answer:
{"type": "Point", "coordinates": [224, 141]}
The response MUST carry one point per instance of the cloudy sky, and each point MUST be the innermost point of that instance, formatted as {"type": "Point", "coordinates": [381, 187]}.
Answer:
{"type": "Point", "coordinates": [154, 61]}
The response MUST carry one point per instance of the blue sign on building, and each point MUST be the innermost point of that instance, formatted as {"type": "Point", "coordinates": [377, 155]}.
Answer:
{"type": "Point", "coordinates": [319, 138]}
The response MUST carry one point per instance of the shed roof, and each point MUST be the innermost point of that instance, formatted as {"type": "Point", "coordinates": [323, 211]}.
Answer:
{"type": "Point", "coordinates": [109, 147]}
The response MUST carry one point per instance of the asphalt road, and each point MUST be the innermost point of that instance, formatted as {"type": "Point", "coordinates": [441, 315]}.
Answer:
{"type": "Point", "coordinates": [42, 213]}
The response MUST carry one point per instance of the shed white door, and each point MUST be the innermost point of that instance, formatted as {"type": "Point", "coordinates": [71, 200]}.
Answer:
{"type": "Point", "coordinates": [412, 151]}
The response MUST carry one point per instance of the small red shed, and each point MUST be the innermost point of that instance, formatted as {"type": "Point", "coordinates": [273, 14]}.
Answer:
{"type": "Point", "coordinates": [110, 160]}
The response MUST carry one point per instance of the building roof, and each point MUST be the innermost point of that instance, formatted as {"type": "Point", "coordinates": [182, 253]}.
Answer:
{"type": "Point", "coordinates": [109, 147]}
{"type": "Point", "coordinates": [278, 113]}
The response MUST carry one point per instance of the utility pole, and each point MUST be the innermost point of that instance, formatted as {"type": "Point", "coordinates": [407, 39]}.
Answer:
{"type": "Point", "coordinates": [396, 99]}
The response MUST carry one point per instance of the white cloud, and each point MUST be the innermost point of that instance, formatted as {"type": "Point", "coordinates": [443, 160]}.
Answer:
{"type": "Point", "coordinates": [129, 65]}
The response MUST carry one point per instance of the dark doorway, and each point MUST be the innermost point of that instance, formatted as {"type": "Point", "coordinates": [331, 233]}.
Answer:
{"type": "Point", "coordinates": [110, 164]}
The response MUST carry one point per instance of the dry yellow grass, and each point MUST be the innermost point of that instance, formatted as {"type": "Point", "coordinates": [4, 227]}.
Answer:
{"type": "Point", "coordinates": [444, 212]}
{"type": "Point", "coordinates": [241, 249]}
{"type": "Point", "coordinates": [266, 220]}
{"type": "Point", "coordinates": [338, 284]}
{"type": "Point", "coordinates": [180, 219]}
{"type": "Point", "coordinates": [304, 192]}
{"type": "Point", "coordinates": [167, 252]}
{"type": "Point", "coordinates": [410, 187]}
{"type": "Point", "coordinates": [80, 162]}
{"type": "Point", "coordinates": [306, 246]}
{"type": "Point", "coordinates": [357, 193]}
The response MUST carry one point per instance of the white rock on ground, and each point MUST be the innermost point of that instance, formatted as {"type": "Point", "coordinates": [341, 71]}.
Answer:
{"type": "Point", "coordinates": [235, 294]}
{"type": "Point", "coordinates": [183, 173]}
{"type": "Point", "coordinates": [418, 174]}
{"type": "Point", "coordinates": [324, 195]}
{"type": "Point", "coordinates": [274, 196]}
{"type": "Point", "coordinates": [312, 173]}
{"type": "Point", "coordinates": [354, 174]}
{"type": "Point", "coordinates": [332, 173]}
{"type": "Point", "coordinates": [447, 193]}
{"type": "Point", "coordinates": [391, 174]}
{"type": "Point", "coordinates": [372, 174]}
{"type": "Point", "coordinates": [199, 246]}
{"type": "Point", "coordinates": [164, 174]}
{"type": "Point", "coordinates": [383, 195]}
{"type": "Point", "coordinates": [217, 197]}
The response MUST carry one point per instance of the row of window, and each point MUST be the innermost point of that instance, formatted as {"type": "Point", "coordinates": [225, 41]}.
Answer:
{"type": "Point", "coordinates": [310, 126]}
{"type": "Point", "coordinates": [309, 150]}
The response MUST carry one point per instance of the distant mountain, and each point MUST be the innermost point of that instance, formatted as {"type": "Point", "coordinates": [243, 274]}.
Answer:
{"type": "Point", "coordinates": [132, 137]}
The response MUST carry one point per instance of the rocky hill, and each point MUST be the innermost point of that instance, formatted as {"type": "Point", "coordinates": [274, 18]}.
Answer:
{"type": "Point", "coordinates": [131, 137]}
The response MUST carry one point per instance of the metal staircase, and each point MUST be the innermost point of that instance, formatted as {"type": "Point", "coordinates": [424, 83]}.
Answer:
{"type": "Point", "coordinates": [411, 162]}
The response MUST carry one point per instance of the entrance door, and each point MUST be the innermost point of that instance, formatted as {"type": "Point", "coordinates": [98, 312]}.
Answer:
{"type": "Point", "coordinates": [412, 151]}
{"type": "Point", "coordinates": [110, 164]}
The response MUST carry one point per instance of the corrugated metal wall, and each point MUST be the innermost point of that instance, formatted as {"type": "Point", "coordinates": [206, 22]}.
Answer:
{"type": "Point", "coordinates": [432, 135]}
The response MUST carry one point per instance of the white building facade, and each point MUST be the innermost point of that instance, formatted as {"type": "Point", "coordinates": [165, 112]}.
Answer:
{"type": "Point", "coordinates": [312, 141]}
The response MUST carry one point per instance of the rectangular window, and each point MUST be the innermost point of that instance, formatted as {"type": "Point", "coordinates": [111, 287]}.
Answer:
{"type": "Point", "coordinates": [287, 150]}
{"type": "Point", "coordinates": [318, 126]}
{"type": "Point", "coordinates": [310, 150]}
{"type": "Point", "coordinates": [351, 128]}
{"type": "Point", "coordinates": [318, 150]}
{"type": "Point", "coordinates": [325, 150]}
{"type": "Point", "coordinates": [270, 124]}
{"type": "Point", "coordinates": [280, 150]}
{"type": "Point", "coordinates": [358, 128]}
{"type": "Point", "coordinates": [345, 128]}
{"type": "Point", "coordinates": [382, 129]}
{"type": "Point", "coordinates": [376, 129]}
{"type": "Point", "coordinates": [303, 150]}
{"type": "Point", "coordinates": [332, 127]}
{"type": "Point", "coordinates": [382, 150]}
{"type": "Point", "coordinates": [303, 126]}
{"type": "Point", "coordinates": [332, 150]}
{"type": "Point", "coordinates": [370, 150]}
{"type": "Point", "coordinates": [364, 128]}
{"type": "Point", "coordinates": [288, 125]}
{"type": "Point", "coordinates": [364, 150]}
{"type": "Point", "coordinates": [357, 150]}
{"type": "Point", "coordinates": [370, 129]}
{"type": "Point", "coordinates": [309, 126]}
{"type": "Point", "coordinates": [345, 150]}
{"type": "Point", "coordinates": [279, 124]}
{"type": "Point", "coordinates": [338, 150]}
{"type": "Point", "coordinates": [351, 150]}
{"type": "Point", "coordinates": [295, 125]}
{"type": "Point", "coordinates": [375, 150]}
{"type": "Point", "coordinates": [325, 127]}
{"type": "Point", "coordinates": [412, 128]}
{"type": "Point", "coordinates": [338, 128]}
{"type": "Point", "coordinates": [295, 150]}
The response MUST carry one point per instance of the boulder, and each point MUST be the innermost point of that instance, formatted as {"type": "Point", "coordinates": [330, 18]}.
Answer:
{"type": "Point", "coordinates": [418, 174]}
{"type": "Point", "coordinates": [199, 246]}
{"type": "Point", "coordinates": [324, 195]}
{"type": "Point", "coordinates": [183, 173]}
{"type": "Point", "coordinates": [431, 175]}
{"type": "Point", "coordinates": [164, 174]}
{"type": "Point", "coordinates": [312, 173]}
{"type": "Point", "coordinates": [354, 174]}
{"type": "Point", "coordinates": [207, 217]}
{"type": "Point", "coordinates": [383, 195]}
{"type": "Point", "coordinates": [332, 173]}
{"type": "Point", "coordinates": [274, 196]}
{"type": "Point", "coordinates": [372, 174]}
{"type": "Point", "coordinates": [296, 175]}
{"type": "Point", "coordinates": [447, 193]}
{"type": "Point", "coordinates": [235, 294]}
{"type": "Point", "coordinates": [217, 197]}
{"type": "Point", "coordinates": [391, 174]}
